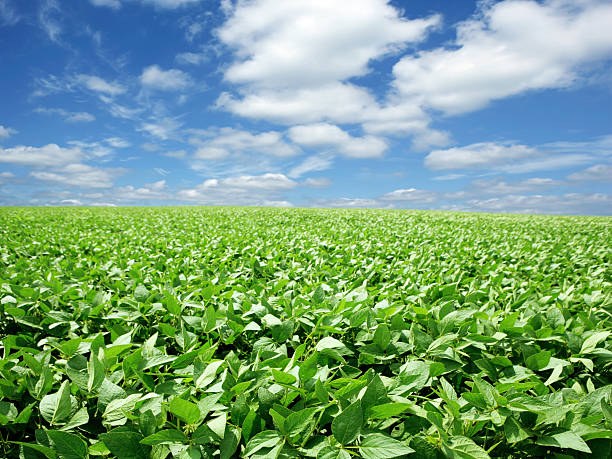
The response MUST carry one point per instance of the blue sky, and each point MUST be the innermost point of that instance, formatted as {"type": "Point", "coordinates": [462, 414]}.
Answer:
{"type": "Point", "coordinates": [480, 106]}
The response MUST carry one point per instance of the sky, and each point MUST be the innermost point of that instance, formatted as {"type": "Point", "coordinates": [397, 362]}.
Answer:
{"type": "Point", "coordinates": [489, 106]}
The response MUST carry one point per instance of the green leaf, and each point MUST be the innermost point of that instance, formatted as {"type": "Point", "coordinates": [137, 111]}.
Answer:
{"type": "Point", "coordinates": [283, 378]}
{"type": "Point", "coordinates": [80, 418]}
{"type": "Point", "coordinates": [40, 451]}
{"type": "Point", "coordinates": [565, 439]}
{"type": "Point", "coordinates": [125, 445]}
{"type": "Point", "coordinates": [379, 446]}
{"type": "Point", "coordinates": [332, 452]}
{"type": "Point", "coordinates": [165, 437]}
{"type": "Point", "coordinates": [265, 439]}
{"type": "Point", "coordinates": [346, 426]}
{"type": "Point", "coordinates": [95, 370]}
{"type": "Point", "coordinates": [514, 432]}
{"type": "Point", "coordinates": [592, 341]}
{"type": "Point", "coordinates": [389, 410]}
{"type": "Point", "coordinates": [67, 445]}
{"type": "Point", "coordinates": [460, 447]}
{"type": "Point", "coordinates": [296, 423]}
{"type": "Point", "coordinates": [230, 442]}
{"type": "Point", "coordinates": [57, 407]}
{"type": "Point", "coordinates": [538, 361]}
{"type": "Point", "coordinates": [382, 337]}
{"type": "Point", "coordinates": [186, 411]}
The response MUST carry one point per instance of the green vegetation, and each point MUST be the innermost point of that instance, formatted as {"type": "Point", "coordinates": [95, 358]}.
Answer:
{"type": "Point", "coordinates": [262, 333]}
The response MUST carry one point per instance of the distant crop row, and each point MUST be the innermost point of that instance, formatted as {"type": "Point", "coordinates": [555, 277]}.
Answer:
{"type": "Point", "coordinates": [268, 333]}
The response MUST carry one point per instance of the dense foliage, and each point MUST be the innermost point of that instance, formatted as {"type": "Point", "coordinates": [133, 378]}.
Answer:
{"type": "Point", "coordinates": [262, 333]}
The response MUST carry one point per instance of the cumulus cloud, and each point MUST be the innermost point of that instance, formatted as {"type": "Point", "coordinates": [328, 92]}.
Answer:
{"type": "Point", "coordinates": [324, 135]}
{"type": "Point", "coordinates": [509, 48]}
{"type": "Point", "coordinates": [97, 84]}
{"type": "Point", "coordinates": [477, 155]}
{"type": "Point", "coordinates": [80, 175]}
{"type": "Point", "coordinates": [154, 77]}
{"type": "Point", "coordinates": [149, 191]}
{"type": "Point", "coordinates": [290, 68]}
{"type": "Point", "coordinates": [597, 173]}
{"type": "Point", "coordinates": [50, 155]}
{"type": "Point", "coordinates": [293, 60]}
{"type": "Point", "coordinates": [6, 132]}
{"type": "Point", "coordinates": [265, 189]}
{"type": "Point", "coordinates": [307, 43]}
{"type": "Point", "coordinates": [504, 157]}
{"type": "Point", "coordinates": [221, 143]}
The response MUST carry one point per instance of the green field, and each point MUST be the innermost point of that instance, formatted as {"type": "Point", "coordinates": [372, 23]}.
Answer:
{"type": "Point", "coordinates": [262, 333]}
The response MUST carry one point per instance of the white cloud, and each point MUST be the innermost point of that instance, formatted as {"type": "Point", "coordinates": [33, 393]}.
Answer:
{"type": "Point", "coordinates": [177, 154]}
{"type": "Point", "coordinates": [500, 187]}
{"type": "Point", "coordinates": [191, 58]}
{"type": "Point", "coordinates": [117, 142]}
{"type": "Point", "coordinates": [597, 173]}
{"type": "Point", "coordinates": [161, 171]}
{"type": "Point", "coordinates": [307, 43]}
{"type": "Point", "coordinates": [80, 117]}
{"type": "Point", "coordinates": [411, 195]}
{"type": "Point", "coordinates": [570, 203]}
{"type": "Point", "coordinates": [478, 155]}
{"type": "Point", "coordinates": [114, 4]}
{"type": "Point", "coordinates": [220, 143]}
{"type": "Point", "coordinates": [92, 149]}
{"type": "Point", "coordinates": [71, 117]}
{"type": "Point", "coordinates": [323, 135]}
{"type": "Point", "coordinates": [161, 4]}
{"type": "Point", "coordinates": [6, 176]}
{"type": "Point", "coordinates": [262, 182]}
{"type": "Point", "coordinates": [8, 15]}
{"type": "Point", "coordinates": [120, 111]}
{"type": "Point", "coordinates": [154, 77]}
{"type": "Point", "coordinates": [50, 155]}
{"type": "Point", "coordinates": [48, 22]}
{"type": "Point", "coordinates": [6, 132]}
{"type": "Point", "coordinates": [265, 189]}
{"type": "Point", "coordinates": [71, 202]}
{"type": "Point", "coordinates": [210, 153]}
{"type": "Point", "coordinates": [169, 4]}
{"type": "Point", "coordinates": [338, 102]}
{"type": "Point", "coordinates": [97, 84]}
{"type": "Point", "coordinates": [510, 48]}
{"type": "Point", "coordinates": [318, 182]}
{"type": "Point", "coordinates": [547, 163]}
{"type": "Point", "coordinates": [348, 203]}
{"type": "Point", "coordinates": [312, 164]}
{"type": "Point", "coordinates": [293, 61]}
{"type": "Point", "coordinates": [80, 175]}
{"type": "Point", "coordinates": [163, 129]}
{"type": "Point", "coordinates": [150, 191]}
